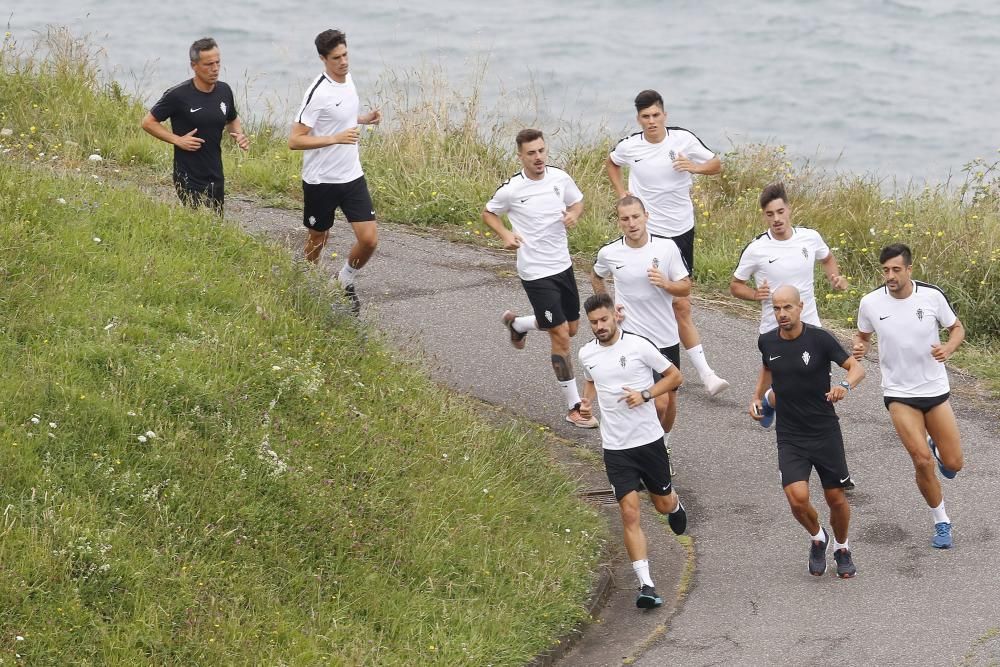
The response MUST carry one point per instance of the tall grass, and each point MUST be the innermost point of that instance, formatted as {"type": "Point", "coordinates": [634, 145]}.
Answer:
{"type": "Point", "coordinates": [204, 465]}
{"type": "Point", "coordinates": [440, 155]}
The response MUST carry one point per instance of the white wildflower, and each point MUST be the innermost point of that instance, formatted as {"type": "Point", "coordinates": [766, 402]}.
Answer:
{"type": "Point", "coordinates": [130, 413]}
{"type": "Point", "coordinates": [61, 200]}
{"type": "Point", "coordinates": [150, 434]}
{"type": "Point", "coordinates": [141, 438]}
{"type": "Point", "coordinates": [52, 424]}
{"type": "Point", "coordinates": [97, 239]}
{"type": "Point", "coordinates": [34, 419]}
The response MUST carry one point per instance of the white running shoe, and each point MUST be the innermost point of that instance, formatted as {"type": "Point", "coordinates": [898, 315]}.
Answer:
{"type": "Point", "coordinates": [715, 385]}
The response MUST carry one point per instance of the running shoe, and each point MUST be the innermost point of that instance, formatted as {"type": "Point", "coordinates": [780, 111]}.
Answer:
{"type": "Point", "coordinates": [946, 472]}
{"type": "Point", "coordinates": [516, 337]}
{"type": "Point", "coordinates": [715, 385]}
{"type": "Point", "coordinates": [766, 412]}
{"type": "Point", "coordinates": [647, 598]}
{"type": "Point", "coordinates": [678, 520]}
{"type": "Point", "coordinates": [942, 535]}
{"type": "Point", "coordinates": [352, 297]}
{"type": "Point", "coordinates": [576, 419]}
{"type": "Point", "coordinates": [817, 555]}
{"type": "Point", "coordinates": [845, 565]}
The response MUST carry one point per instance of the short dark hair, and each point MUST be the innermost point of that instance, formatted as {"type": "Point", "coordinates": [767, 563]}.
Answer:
{"type": "Point", "coordinates": [628, 200]}
{"type": "Point", "coordinates": [595, 301]}
{"type": "Point", "coordinates": [203, 44]}
{"type": "Point", "coordinates": [328, 40]}
{"type": "Point", "coordinates": [529, 134]}
{"type": "Point", "coordinates": [896, 250]}
{"type": "Point", "coordinates": [772, 192]}
{"type": "Point", "coordinates": [648, 98]}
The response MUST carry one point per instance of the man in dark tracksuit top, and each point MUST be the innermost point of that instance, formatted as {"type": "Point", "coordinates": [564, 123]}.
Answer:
{"type": "Point", "coordinates": [796, 360]}
{"type": "Point", "coordinates": [199, 109]}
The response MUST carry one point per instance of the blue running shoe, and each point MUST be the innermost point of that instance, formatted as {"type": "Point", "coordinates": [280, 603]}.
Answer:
{"type": "Point", "coordinates": [947, 473]}
{"type": "Point", "coordinates": [648, 598]}
{"type": "Point", "coordinates": [942, 535]}
{"type": "Point", "coordinates": [766, 412]}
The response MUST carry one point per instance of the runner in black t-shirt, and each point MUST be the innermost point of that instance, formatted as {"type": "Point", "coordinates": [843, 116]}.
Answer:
{"type": "Point", "coordinates": [199, 110]}
{"type": "Point", "coordinates": [796, 360]}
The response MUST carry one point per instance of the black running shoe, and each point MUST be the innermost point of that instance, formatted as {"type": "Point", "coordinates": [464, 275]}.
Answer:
{"type": "Point", "coordinates": [817, 555]}
{"type": "Point", "coordinates": [352, 296]}
{"type": "Point", "coordinates": [845, 566]}
{"type": "Point", "coordinates": [678, 519]}
{"type": "Point", "coordinates": [647, 598]}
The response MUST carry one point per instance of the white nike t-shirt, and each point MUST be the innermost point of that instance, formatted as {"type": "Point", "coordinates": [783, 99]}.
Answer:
{"type": "Point", "coordinates": [329, 107]}
{"type": "Point", "coordinates": [535, 209]}
{"type": "Point", "coordinates": [651, 177]}
{"type": "Point", "coordinates": [649, 310]}
{"type": "Point", "coordinates": [906, 330]}
{"type": "Point", "coordinates": [788, 262]}
{"type": "Point", "coordinates": [629, 362]}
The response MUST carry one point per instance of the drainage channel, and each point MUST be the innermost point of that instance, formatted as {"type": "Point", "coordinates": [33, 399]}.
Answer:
{"type": "Point", "coordinates": [599, 496]}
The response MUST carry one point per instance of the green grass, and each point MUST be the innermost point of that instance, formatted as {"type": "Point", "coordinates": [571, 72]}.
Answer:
{"type": "Point", "coordinates": [300, 497]}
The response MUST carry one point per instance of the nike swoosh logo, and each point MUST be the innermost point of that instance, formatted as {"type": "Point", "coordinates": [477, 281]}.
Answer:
{"type": "Point", "coordinates": [591, 367]}
{"type": "Point", "coordinates": [772, 261]}
{"type": "Point", "coordinates": [198, 109]}
{"type": "Point", "coordinates": [339, 103]}
{"type": "Point", "coordinates": [884, 318]}
{"type": "Point", "coordinates": [844, 481]}
{"type": "Point", "coordinates": [619, 266]}
{"type": "Point", "coordinates": [773, 358]}
{"type": "Point", "coordinates": [524, 200]}
{"type": "Point", "coordinates": [638, 159]}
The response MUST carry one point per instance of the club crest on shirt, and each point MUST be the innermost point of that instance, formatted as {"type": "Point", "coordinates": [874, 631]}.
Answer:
{"type": "Point", "coordinates": [805, 253]}
{"type": "Point", "coordinates": [312, 221]}
{"type": "Point", "coordinates": [920, 314]}
{"type": "Point", "coordinates": [222, 108]}
{"type": "Point", "coordinates": [548, 315]}
{"type": "Point", "coordinates": [656, 262]}
{"type": "Point", "coordinates": [622, 361]}
{"type": "Point", "coordinates": [672, 154]}
{"type": "Point", "coordinates": [555, 189]}
{"type": "Point", "coordinates": [806, 357]}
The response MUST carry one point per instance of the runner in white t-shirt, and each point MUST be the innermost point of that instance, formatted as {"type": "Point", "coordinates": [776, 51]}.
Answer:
{"type": "Point", "coordinates": [542, 202]}
{"type": "Point", "coordinates": [648, 273]}
{"type": "Point", "coordinates": [907, 316]}
{"type": "Point", "coordinates": [326, 128]}
{"type": "Point", "coordinates": [660, 161]}
{"type": "Point", "coordinates": [783, 255]}
{"type": "Point", "coordinates": [619, 368]}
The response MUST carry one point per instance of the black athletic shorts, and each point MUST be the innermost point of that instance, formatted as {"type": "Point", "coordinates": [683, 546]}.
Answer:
{"type": "Point", "coordinates": [685, 243]}
{"type": "Point", "coordinates": [923, 403]}
{"type": "Point", "coordinates": [648, 464]}
{"type": "Point", "coordinates": [673, 354]}
{"type": "Point", "coordinates": [321, 200]}
{"type": "Point", "coordinates": [212, 195]}
{"type": "Point", "coordinates": [554, 299]}
{"type": "Point", "coordinates": [797, 457]}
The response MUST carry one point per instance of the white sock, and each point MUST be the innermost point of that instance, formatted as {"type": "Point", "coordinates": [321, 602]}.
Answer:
{"type": "Point", "coordinates": [641, 568]}
{"type": "Point", "coordinates": [570, 393]}
{"type": "Point", "coordinates": [819, 537]}
{"type": "Point", "coordinates": [837, 546]}
{"type": "Point", "coordinates": [697, 356]}
{"type": "Point", "coordinates": [680, 506]}
{"type": "Point", "coordinates": [346, 275]}
{"type": "Point", "coordinates": [939, 513]}
{"type": "Point", "coordinates": [525, 323]}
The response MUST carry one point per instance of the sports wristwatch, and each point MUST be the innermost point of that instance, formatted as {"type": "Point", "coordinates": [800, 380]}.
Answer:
{"type": "Point", "coordinates": [846, 385]}
{"type": "Point", "coordinates": [646, 396]}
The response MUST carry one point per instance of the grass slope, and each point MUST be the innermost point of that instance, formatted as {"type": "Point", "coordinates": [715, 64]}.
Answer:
{"type": "Point", "coordinates": [203, 465]}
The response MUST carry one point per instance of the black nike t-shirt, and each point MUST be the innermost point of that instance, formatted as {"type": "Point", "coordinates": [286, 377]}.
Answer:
{"type": "Point", "coordinates": [800, 375]}
{"type": "Point", "coordinates": [188, 108]}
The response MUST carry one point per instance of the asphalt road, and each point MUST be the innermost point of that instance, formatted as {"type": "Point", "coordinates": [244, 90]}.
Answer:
{"type": "Point", "coordinates": [752, 600]}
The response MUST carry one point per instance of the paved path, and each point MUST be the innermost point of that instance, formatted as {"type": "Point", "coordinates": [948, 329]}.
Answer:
{"type": "Point", "coordinates": [752, 601]}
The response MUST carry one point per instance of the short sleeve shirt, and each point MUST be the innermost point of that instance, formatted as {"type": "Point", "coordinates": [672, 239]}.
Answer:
{"type": "Point", "coordinates": [189, 109]}
{"type": "Point", "coordinates": [329, 107]}
{"type": "Point", "coordinates": [665, 193]}
{"type": "Point", "coordinates": [649, 309]}
{"type": "Point", "coordinates": [906, 330]}
{"type": "Point", "coordinates": [788, 262]}
{"type": "Point", "coordinates": [800, 374]}
{"type": "Point", "coordinates": [628, 362]}
{"type": "Point", "coordinates": [535, 209]}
